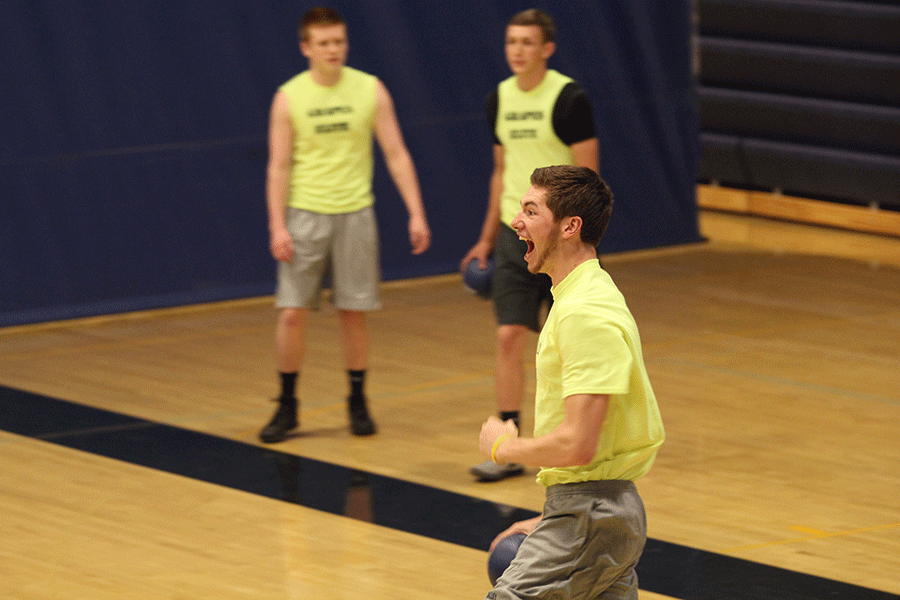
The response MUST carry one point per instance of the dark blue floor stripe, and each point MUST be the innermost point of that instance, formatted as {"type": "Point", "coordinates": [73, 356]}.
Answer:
{"type": "Point", "coordinates": [669, 569]}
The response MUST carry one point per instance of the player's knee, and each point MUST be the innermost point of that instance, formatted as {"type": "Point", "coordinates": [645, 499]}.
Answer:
{"type": "Point", "coordinates": [291, 318]}
{"type": "Point", "coordinates": [510, 340]}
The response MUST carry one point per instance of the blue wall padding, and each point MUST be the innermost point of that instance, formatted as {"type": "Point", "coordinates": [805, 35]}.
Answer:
{"type": "Point", "coordinates": [133, 137]}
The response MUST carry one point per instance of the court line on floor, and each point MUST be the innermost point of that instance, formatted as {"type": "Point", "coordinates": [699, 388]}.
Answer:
{"type": "Point", "coordinates": [813, 535]}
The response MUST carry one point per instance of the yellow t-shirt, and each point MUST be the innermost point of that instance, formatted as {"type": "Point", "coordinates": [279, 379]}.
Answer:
{"type": "Point", "coordinates": [590, 345]}
{"type": "Point", "coordinates": [333, 127]}
{"type": "Point", "coordinates": [525, 129]}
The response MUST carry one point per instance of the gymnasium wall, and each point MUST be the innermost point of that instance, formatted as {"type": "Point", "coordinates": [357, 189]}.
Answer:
{"type": "Point", "coordinates": [133, 136]}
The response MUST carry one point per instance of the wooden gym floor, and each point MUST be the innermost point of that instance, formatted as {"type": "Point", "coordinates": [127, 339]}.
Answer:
{"type": "Point", "coordinates": [130, 466]}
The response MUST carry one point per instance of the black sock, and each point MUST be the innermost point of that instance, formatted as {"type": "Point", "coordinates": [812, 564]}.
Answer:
{"type": "Point", "coordinates": [357, 382]}
{"type": "Point", "coordinates": [288, 385]}
{"type": "Point", "coordinates": [506, 415]}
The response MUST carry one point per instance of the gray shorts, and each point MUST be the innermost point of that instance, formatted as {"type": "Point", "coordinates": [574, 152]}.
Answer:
{"type": "Point", "coordinates": [586, 545]}
{"type": "Point", "coordinates": [345, 246]}
{"type": "Point", "coordinates": [517, 293]}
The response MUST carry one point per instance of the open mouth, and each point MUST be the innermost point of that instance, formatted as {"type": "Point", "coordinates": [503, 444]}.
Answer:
{"type": "Point", "coordinates": [530, 249]}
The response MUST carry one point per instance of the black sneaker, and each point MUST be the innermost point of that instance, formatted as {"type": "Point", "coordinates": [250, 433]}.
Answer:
{"type": "Point", "coordinates": [491, 471]}
{"type": "Point", "coordinates": [360, 421]}
{"type": "Point", "coordinates": [284, 420]}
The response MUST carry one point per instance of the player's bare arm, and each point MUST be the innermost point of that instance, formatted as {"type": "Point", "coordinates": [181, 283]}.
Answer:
{"type": "Point", "coordinates": [400, 165]}
{"type": "Point", "coordinates": [587, 154]}
{"type": "Point", "coordinates": [573, 442]}
{"type": "Point", "coordinates": [485, 244]}
{"type": "Point", "coordinates": [278, 174]}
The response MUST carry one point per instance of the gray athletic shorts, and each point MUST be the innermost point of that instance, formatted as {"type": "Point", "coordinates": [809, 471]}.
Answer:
{"type": "Point", "coordinates": [518, 294]}
{"type": "Point", "coordinates": [345, 246]}
{"type": "Point", "coordinates": [586, 546]}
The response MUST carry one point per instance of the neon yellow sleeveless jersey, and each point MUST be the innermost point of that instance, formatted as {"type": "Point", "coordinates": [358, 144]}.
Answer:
{"type": "Point", "coordinates": [333, 127]}
{"type": "Point", "coordinates": [525, 128]}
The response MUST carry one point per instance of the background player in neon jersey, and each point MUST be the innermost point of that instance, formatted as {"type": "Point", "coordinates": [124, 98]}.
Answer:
{"type": "Point", "coordinates": [319, 198]}
{"type": "Point", "coordinates": [539, 117]}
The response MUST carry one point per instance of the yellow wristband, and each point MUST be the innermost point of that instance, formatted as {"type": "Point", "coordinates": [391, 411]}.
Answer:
{"type": "Point", "coordinates": [500, 439]}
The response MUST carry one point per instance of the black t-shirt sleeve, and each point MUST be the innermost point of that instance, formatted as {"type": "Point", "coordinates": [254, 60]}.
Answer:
{"type": "Point", "coordinates": [573, 119]}
{"type": "Point", "coordinates": [491, 106]}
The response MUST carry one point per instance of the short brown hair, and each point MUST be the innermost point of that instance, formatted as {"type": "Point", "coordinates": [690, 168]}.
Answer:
{"type": "Point", "coordinates": [318, 17]}
{"type": "Point", "coordinates": [577, 192]}
{"type": "Point", "coordinates": [534, 16]}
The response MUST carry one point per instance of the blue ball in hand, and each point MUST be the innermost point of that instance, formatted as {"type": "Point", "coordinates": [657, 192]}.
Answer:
{"type": "Point", "coordinates": [503, 554]}
{"type": "Point", "coordinates": [478, 280]}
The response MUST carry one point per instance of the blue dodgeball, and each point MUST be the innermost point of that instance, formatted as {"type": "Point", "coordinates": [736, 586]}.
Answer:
{"type": "Point", "coordinates": [478, 281]}
{"type": "Point", "coordinates": [503, 554]}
